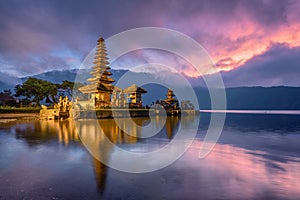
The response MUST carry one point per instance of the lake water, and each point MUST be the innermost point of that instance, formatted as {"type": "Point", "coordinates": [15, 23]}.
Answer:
{"type": "Point", "coordinates": [256, 157]}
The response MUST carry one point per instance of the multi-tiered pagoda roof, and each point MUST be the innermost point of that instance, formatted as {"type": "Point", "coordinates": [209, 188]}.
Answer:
{"type": "Point", "coordinates": [100, 80]}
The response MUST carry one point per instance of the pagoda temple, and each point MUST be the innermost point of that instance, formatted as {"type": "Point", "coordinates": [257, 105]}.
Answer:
{"type": "Point", "coordinates": [170, 105]}
{"type": "Point", "coordinates": [101, 87]}
{"type": "Point", "coordinates": [101, 91]}
{"type": "Point", "coordinates": [170, 101]}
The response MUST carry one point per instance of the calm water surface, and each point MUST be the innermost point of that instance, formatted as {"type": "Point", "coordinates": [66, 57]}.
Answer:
{"type": "Point", "coordinates": [256, 157]}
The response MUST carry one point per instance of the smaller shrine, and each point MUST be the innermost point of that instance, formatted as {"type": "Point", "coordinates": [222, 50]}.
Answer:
{"type": "Point", "coordinates": [64, 106]}
{"type": "Point", "coordinates": [170, 101]}
{"type": "Point", "coordinates": [134, 94]}
{"type": "Point", "coordinates": [61, 110]}
{"type": "Point", "coordinates": [170, 105]}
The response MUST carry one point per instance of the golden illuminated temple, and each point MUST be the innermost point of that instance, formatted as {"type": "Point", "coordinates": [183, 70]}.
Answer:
{"type": "Point", "coordinates": [101, 92]}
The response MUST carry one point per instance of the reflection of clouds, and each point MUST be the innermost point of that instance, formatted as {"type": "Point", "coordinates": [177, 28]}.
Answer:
{"type": "Point", "coordinates": [236, 169]}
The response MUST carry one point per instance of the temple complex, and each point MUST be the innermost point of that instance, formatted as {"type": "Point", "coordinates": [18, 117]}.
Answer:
{"type": "Point", "coordinates": [102, 95]}
{"type": "Point", "coordinates": [101, 92]}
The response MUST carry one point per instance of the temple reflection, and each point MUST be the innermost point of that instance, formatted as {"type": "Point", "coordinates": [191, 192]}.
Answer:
{"type": "Point", "coordinates": [171, 126]}
{"type": "Point", "coordinates": [102, 136]}
{"type": "Point", "coordinates": [97, 133]}
{"type": "Point", "coordinates": [65, 130]}
{"type": "Point", "coordinates": [118, 132]}
{"type": "Point", "coordinates": [100, 174]}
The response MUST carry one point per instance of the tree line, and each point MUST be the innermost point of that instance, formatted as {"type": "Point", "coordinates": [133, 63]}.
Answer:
{"type": "Point", "coordinates": [34, 90]}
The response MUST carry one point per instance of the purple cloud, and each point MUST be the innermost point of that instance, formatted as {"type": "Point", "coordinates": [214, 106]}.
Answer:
{"type": "Point", "coordinates": [37, 36]}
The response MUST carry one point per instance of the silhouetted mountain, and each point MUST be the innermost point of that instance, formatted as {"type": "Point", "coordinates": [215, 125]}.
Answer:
{"type": "Point", "coordinates": [70, 75]}
{"type": "Point", "coordinates": [276, 98]}
{"type": "Point", "coordinates": [8, 82]}
{"type": "Point", "coordinates": [256, 98]}
{"type": "Point", "coordinates": [56, 76]}
{"type": "Point", "coordinates": [241, 98]}
{"type": "Point", "coordinates": [279, 97]}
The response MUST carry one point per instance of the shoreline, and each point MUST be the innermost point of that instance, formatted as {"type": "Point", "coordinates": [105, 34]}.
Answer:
{"type": "Point", "coordinates": [19, 115]}
{"type": "Point", "coordinates": [278, 112]}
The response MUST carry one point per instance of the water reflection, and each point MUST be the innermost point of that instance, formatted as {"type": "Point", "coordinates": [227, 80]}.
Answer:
{"type": "Point", "coordinates": [257, 122]}
{"type": "Point", "coordinates": [247, 174]}
{"type": "Point", "coordinates": [100, 174]}
{"type": "Point", "coordinates": [124, 132]}
{"type": "Point", "coordinates": [36, 132]}
{"type": "Point", "coordinates": [257, 157]}
{"type": "Point", "coordinates": [122, 145]}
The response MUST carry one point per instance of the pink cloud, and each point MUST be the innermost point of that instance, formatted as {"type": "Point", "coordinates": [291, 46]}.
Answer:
{"type": "Point", "coordinates": [234, 39]}
{"type": "Point", "coordinates": [232, 32]}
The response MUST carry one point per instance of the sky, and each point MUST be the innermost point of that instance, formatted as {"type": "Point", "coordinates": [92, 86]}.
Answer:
{"type": "Point", "coordinates": [253, 42]}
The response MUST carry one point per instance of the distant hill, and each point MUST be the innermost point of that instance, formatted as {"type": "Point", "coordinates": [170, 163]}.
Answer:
{"type": "Point", "coordinates": [243, 98]}
{"type": "Point", "coordinates": [8, 82]}
{"type": "Point", "coordinates": [58, 76]}
{"type": "Point", "coordinates": [255, 98]}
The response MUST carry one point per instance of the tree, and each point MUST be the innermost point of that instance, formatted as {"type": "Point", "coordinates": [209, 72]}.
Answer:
{"type": "Point", "coordinates": [36, 90]}
{"type": "Point", "coordinates": [68, 86]}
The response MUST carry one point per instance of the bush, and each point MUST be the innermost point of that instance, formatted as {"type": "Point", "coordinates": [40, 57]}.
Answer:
{"type": "Point", "coordinates": [9, 109]}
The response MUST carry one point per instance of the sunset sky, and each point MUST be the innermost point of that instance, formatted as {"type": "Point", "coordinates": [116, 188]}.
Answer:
{"type": "Point", "coordinates": [247, 40]}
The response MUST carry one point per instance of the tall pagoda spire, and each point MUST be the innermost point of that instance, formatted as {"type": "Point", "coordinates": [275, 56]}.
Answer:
{"type": "Point", "coordinates": [100, 88]}
{"type": "Point", "coordinates": [100, 69]}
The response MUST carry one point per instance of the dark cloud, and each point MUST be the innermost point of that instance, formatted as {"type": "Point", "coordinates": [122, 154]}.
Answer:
{"type": "Point", "coordinates": [267, 12]}
{"type": "Point", "coordinates": [36, 36]}
{"type": "Point", "coordinates": [39, 28]}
